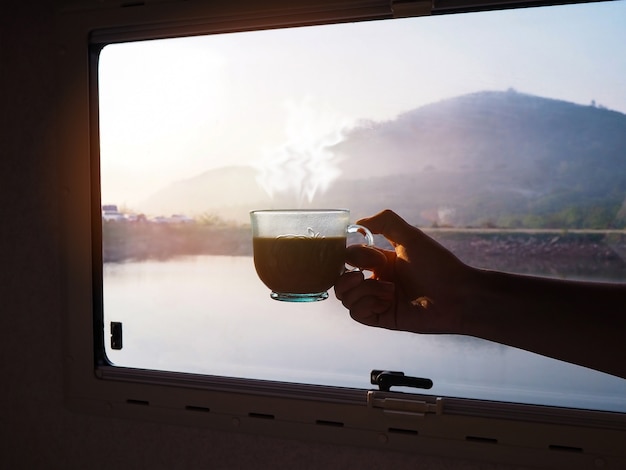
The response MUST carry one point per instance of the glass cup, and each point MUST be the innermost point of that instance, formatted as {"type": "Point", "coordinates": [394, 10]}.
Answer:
{"type": "Point", "coordinates": [300, 254]}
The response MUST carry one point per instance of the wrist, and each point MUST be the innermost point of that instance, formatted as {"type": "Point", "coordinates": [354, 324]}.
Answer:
{"type": "Point", "coordinates": [476, 301]}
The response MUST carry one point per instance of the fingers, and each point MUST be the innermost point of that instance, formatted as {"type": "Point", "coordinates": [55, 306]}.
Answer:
{"type": "Point", "coordinates": [366, 257]}
{"type": "Point", "coordinates": [351, 287]}
{"type": "Point", "coordinates": [401, 233]}
{"type": "Point", "coordinates": [372, 311]}
{"type": "Point", "coordinates": [393, 227]}
{"type": "Point", "coordinates": [347, 282]}
{"type": "Point", "coordinates": [368, 300]}
{"type": "Point", "coordinates": [372, 303]}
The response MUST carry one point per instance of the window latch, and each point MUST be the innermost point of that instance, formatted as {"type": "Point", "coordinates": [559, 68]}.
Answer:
{"type": "Point", "coordinates": [404, 405]}
{"type": "Point", "coordinates": [386, 379]}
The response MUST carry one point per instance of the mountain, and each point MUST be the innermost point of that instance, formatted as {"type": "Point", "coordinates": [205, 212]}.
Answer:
{"type": "Point", "coordinates": [224, 192]}
{"type": "Point", "coordinates": [487, 158]}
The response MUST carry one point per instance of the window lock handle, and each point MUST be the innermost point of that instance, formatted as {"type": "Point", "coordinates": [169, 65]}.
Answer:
{"type": "Point", "coordinates": [386, 379]}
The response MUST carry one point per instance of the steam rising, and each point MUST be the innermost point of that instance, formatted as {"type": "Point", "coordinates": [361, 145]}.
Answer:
{"type": "Point", "coordinates": [305, 163]}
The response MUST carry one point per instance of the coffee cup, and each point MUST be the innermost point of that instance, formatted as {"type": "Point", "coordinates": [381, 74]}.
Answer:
{"type": "Point", "coordinates": [300, 253]}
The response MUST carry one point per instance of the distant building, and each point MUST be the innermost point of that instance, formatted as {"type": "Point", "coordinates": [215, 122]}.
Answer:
{"type": "Point", "coordinates": [111, 213]}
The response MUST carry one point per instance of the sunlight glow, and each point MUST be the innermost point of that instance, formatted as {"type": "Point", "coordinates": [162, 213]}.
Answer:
{"type": "Point", "coordinates": [174, 108]}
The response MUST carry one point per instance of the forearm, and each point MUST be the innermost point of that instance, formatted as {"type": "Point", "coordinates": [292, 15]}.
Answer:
{"type": "Point", "coordinates": [581, 323]}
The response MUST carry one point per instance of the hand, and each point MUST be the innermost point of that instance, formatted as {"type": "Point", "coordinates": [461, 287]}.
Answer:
{"type": "Point", "coordinates": [418, 287]}
{"type": "Point", "coordinates": [422, 287]}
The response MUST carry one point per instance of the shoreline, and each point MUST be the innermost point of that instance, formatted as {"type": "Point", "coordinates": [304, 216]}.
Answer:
{"type": "Point", "coordinates": [552, 252]}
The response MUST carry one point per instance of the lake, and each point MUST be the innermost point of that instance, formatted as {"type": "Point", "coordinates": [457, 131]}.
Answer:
{"type": "Point", "coordinates": [211, 315]}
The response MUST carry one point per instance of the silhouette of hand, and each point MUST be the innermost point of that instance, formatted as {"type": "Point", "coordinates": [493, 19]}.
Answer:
{"type": "Point", "coordinates": [417, 287]}
{"type": "Point", "coordinates": [421, 287]}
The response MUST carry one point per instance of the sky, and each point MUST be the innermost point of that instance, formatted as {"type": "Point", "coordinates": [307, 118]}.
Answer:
{"type": "Point", "coordinates": [172, 109]}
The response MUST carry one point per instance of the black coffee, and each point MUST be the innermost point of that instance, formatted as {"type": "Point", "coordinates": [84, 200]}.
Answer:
{"type": "Point", "coordinates": [299, 265]}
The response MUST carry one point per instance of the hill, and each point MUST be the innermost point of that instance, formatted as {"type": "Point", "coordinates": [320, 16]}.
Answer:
{"type": "Point", "coordinates": [488, 158]}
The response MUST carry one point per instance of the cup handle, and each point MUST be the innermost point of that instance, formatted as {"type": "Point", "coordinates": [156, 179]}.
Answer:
{"type": "Point", "coordinates": [369, 238]}
{"type": "Point", "coordinates": [355, 228]}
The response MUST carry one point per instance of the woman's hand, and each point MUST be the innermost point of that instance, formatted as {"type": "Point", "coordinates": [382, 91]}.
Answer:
{"type": "Point", "coordinates": [418, 287]}
{"type": "Point", "coordinates": [422, 287]}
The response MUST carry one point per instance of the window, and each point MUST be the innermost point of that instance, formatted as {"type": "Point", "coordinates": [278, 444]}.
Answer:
{"type": "Point", "coordinates": [189, 132]}
{"type": "Point", "coordinates": [477, 141]}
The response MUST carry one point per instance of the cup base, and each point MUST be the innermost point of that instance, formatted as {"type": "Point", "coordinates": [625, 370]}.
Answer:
{"type": "Point", "coordinates": [316, 297]}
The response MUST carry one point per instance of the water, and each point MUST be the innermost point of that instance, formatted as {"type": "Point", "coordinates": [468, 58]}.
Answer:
{"type": "Point", "coordinates": [211, 315]}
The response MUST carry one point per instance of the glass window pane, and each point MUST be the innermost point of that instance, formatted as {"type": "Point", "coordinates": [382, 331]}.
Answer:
{"type": "Point", "coordinates": [501, 134]}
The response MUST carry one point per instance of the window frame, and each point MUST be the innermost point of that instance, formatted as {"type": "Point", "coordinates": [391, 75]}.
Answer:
{"type": "Point", "coordinates": [422, 423]}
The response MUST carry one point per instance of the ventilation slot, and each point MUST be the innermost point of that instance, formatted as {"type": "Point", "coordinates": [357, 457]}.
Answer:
{"type": "Point", "coordinates": [201, 409]}
{"type": "Point", "coordinates": [138, 402]}
{"type": "Point", "coordinates": [261, 415]}
{"type": "Point", "coordinates": [484, 440]}
{"type": "Point", "coordinates": [335, 424]}
{"type": "Point", "coordinates": [407, 432]}
{"type": "Point", "coordinates": [565, 448]}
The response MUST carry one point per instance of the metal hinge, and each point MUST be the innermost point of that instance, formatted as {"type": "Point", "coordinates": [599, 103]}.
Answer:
{"type": "Point", "coordinates": [391, 403]}
{"type": "Point", "coordinates": [408, 8]}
